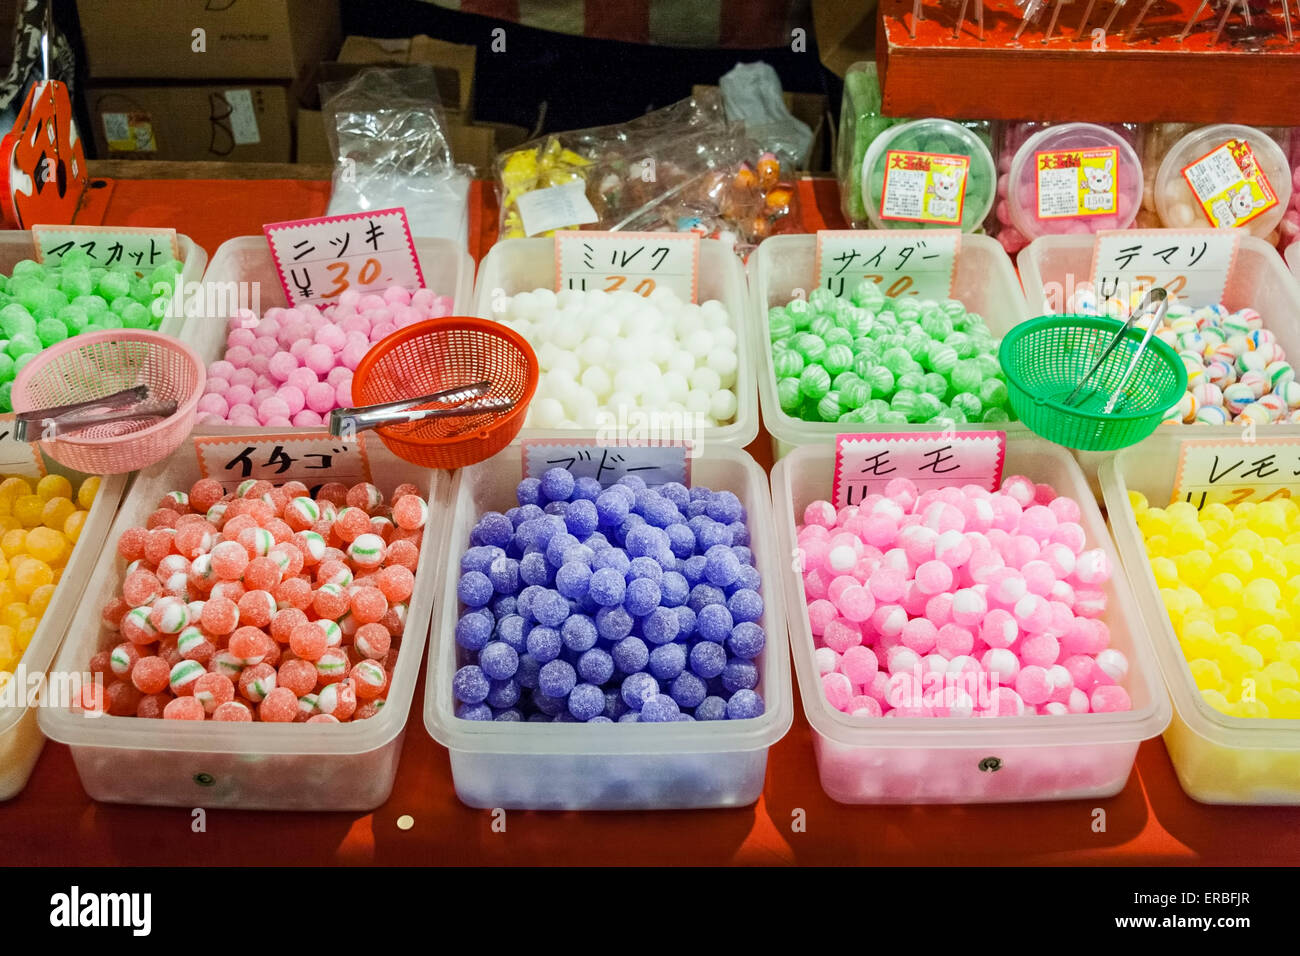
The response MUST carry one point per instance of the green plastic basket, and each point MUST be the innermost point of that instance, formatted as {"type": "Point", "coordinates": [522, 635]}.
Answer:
{"type": "Point", "coordinates": [1045, 358]}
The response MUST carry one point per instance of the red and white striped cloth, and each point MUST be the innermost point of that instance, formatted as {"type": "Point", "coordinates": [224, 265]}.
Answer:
{"type": "Point", "coordinates": [736, 24]}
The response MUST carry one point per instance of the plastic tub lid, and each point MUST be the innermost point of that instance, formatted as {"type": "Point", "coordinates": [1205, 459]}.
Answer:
{"type": "Point", "coordinates": [944, 179]}
{"type": "Point", "coordinates": [1105, 191]}
{"type": "Point", "coordinates": [1221, 181]}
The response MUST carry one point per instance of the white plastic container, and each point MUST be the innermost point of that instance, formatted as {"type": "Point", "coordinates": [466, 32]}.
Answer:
{"type": "Point", "coordinates": [1179, 207]}
{"type": "Point", "coordinates": [522, 265]}
{"type": "Point", "coordinates": [984, 281]}
{"type": "Point", "coordinates": [570, 766]}
{"type": "Point", "coordinates": [20, 738]}
{"type": "Point", "coordinates": [1218, 758]}
{"type": "Point", "coordinates": [16, 246]}
{"type": "Point", "coordinates": [249, 766]}
{"type": "Point", "coordinates": [1053, 267]}
{"type": "Point", "coordinates": [978, 759]}
{"type": "Point", "coordinates": [447, 267]}
{"type": "Point", "coordinates": [1293, 259]}
{"type": "Point", "coordinates": [1124, 171]}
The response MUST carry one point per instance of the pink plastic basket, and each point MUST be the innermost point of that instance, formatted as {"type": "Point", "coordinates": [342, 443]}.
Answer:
{"type": "Point", "coordinates": [101, 363]}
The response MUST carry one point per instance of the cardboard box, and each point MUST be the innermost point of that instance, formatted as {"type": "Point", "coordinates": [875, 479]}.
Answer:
{"type": "Point", "coordinates": [229, 122]}
{"type": "Point", "coordinates": [811, 108]}
{"type": "Point", "coordinates": [249, 39]}
{"type": "Point", "coordinates": [453, 65]}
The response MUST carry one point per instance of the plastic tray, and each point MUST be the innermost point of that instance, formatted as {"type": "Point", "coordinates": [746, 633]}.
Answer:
{"type": "Point", "coordinates": [16, 246]}
{"type": "Point", "coordinates": [938, 760]}
{"type": "Point", "coordinates": [1218, 758]}
{"type": "Point", "coordinates": [20, 738]}
{"type": "Point", "coordinates": [522, 265]}
{"type": "Point", "coordinates": [447, 267]}
{"type": "Point", "coordinates": [1293, 258]}
{"type": "Point", "coordinates": [1258, 280]}
{"type": "Point", "coordinates": [985, 282]}
{"type": "Point", "coordinates": [249, 766]}
{"type": "Point", "coordinates": [609, 767]}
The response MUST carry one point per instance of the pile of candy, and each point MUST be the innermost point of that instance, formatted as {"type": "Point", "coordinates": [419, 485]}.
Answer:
{"type": "Point", "coordinates": [959, 602]}
{"type": "Point", "coordinates": [1228, 577]}
{"type": "Point", "coordinates": [295, 366]}
{"type": "Point", "coordinates": [1236, 370]}
{"type": "Point", "coordinates": [42, 304]}
{"type": "Point", "coordinates": [871, 359]}
{"type": "Point", "coordinates": [603, 354]}
{"type": "Point", "coordinates": [38, 529]}
{"type": "Point", "coordinates": [596, 604]}
{"type": "Point", "coordinates": [267, 604]}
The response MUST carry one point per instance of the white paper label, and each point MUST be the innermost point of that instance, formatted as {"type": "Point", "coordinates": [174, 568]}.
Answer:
{"type": "Point", "coordinates": [637, 262]}
{"type": "Point", "coordinates": [140, 248]}
{"type": "Point", "coordinates": [865, 463]}
{"type": "Point", "coordinates": [311, 459]}
{"type": "Point", "coordinates": [655, 464]}
{"type": "Point", "coordinates": [1192, 265]}
{"type": "Point", "coordinates": [902, 262]}
{"type": "Point", "coordinates": [556, 207]}
{"type": "Point", "coordinates": [243, 117]}
{"type": "Point", "coordinates": [1231, 471]}
{"type": "Point", "coordinates": [16, 457]}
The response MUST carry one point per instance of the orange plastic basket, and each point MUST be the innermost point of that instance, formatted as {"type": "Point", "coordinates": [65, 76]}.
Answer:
{"type": "Point", "coordinates": [440, 354]}
{"type": "Point", "coordinates": [101, 363]}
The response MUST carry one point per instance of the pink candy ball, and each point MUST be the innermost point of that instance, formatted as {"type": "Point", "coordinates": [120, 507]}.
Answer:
{"type": "Point", "coordinates": [239, 356]}
{"type": "Point", "coordinates": [272, 408]}
{"type": "Point", "coordinates": [859, 664]}
{"type": "Point", "coordinates": [320, 398]}
{"type": "Point", "coordinates": [1109, 699]}
{"type": "Point", "coordinates": [840, 635]}
{"type": "Point", "coordinates": [319, 358]}
{"type": "Point", "coordinates": [338, 375]}
{"type": "Point", "coordinates": [307, 419]}
{"type": "Point", "coordinates": [343, 394]}
{"type": "Point", "coordinates": [292, 397]}
{"type": "Point", "coordinates": [213, 404]}
{"type": "Point", "coordinates": [281, 366]}
{"type": "Point", "coordinates": [302, 378]}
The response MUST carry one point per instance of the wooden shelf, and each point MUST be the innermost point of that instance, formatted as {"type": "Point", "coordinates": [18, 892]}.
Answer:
{"type": "Point", "coordinates": [1251, 76]}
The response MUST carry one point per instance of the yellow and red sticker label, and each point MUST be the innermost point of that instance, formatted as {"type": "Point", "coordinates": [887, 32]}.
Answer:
{"type": "Point", "coordinates": [924, 187]}
{"type": "Point", "coordinates": [1077, 182]}
{"type": "Point", "coordinates": [1230, 185]}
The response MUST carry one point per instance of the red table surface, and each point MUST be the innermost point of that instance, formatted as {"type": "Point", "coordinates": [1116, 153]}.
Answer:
{"type": "Point", "coordinates": [1150, 822]}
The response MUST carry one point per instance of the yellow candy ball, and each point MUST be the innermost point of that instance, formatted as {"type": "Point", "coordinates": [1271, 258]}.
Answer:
{"type": "Point", "coordinates": [13, 543]}
{"type": "Point", "coordinates": [12, 488]}
{"type": "Point", "coordinates": [46, 545]}
{"type": "Point", "coordinates": [27, 630]}
{"type": "Point", "coordinates": [28, 509]}
{"type": "Point", "coordinates": [73, 526]}
{"type": "Point", "coordinates": [40, 599]}
{"type": "Point", "coordinates": [1207, 675]}
{"type": "Point", "coordinates": [1217, 701]}
{"type": "Point", "coordinates": [88, 490]}
{"type": "Point", "coordinates": [54, 486]}
{"type": "Point", "coordinates": [11, 615]}
{"type": "Point", "coordinates": [56, 512]}
{"type": "Point", "coordinates": [32, 575]}
{"type": "Point", "coordinates": [1248, 709]}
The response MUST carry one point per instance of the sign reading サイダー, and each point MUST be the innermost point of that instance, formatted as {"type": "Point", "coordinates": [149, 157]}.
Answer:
{"type": "Point", "coordinates": [320, 259]}
{"type": "Point", "coordinates": [654, 463]}
{"type": "Point", "coordinates": [1231, 471]}
{"type": "Point", "coordinates": [309, 458]}
{"type": "Point", "coordinates": [865, 463]}
{"type": "Point", "coordinates": [902, 262]}
{"type": "Point", "coordinates": [1192, 265]}
{"type": "Point", "coordinates": [639, 262]}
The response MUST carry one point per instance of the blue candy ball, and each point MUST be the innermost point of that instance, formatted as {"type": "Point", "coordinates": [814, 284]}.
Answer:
{"type": "Point", "coordinates": [572, 579]}
{"type": "Point", "coordinates": [474, 712]}
{"type": "Point", "coordinates": [612, 508]}
{"type": "Point", "coordinates": [586, 488]}
{"type": "Point", "coordinates": [558, 547]}
{"type": "Point", "coordinates": [510, 714]}
{"type": "Point", "coordinates": [725, 507]}
{"type": "Point", "coordinates": [645, 568]}
{"type": "Point", "coordinates": [473, 630]}
{"type": "Point", "coordinates": [688, 690]}
{"type": "Point", "coordinates": [668, 660]}
{"type": "Point", "coordinates": [673, 589]}
{"type": "Point", "coordinates": [676, 492]}
{"type": "Point", "coordinates": [529, 668]}
{"type": "Point", "coordinates": [557, 678]}
{"type": "Point", "coordinates": [587, 702]}
{"type": "Point", "coordinates": [557, 484]}
{"type": "Point", "coordinates": [504, 575]}
{"type": "Point", "coordinates": [470, 684]}
{"type": "Point", "coordinates": [533, 569]}
{"type": "Point", "coordinates": [659, 709]}
{"type": "Point", "coordinates": [614, 623]}
{"type": "Point", "coordinates": [631, 655]}
{"type": "Point", "coordinates": [713, 623]}
{"type": "Point", "coordinates": [504, 693]}
{"type": "Point", "coordinates": [543, 644]}
{"type": "Point", "coordinates": [596, 666]}
{"type": "Point", "coordinates": [641, 597]}
{"type": "Point", "coordinates": [581, 517]}
{"type": "Point", "coordinates": [708, 659]}
{"type": "Point", "coordinates": [745, 605]}
{"type": "Point", "coordinates": [550, 608]}
{"type": "Point", "coordinates": [686, 620]}
{"type": "Point", "coordinates": [499, 661]}
{"type": "Point", "coordinates": [743, 705]}
{"type": "Point", "coordinates": [693, 569]}
{"type": "Point", "coordinates": [615, 559]}
{"type": "Point", "coordinates": [480, 558]}
{"type": "Point", "coordinates": [607, 587]}
{"type": "Point", "coordinates": [681, 540]}
{"type": "Point", "coordinates": [746, 641]}
{"type": "Point", "coordinates": [721, 566]}
{"type": "Point", "coordinates": [494, 528]}
{"type": "Point", "coordinates": [711, 708]}
{"type": "Point", "coordinates": [702, 595]}
{"type": "Point", "coordinates": [661, 626]}
{"type": "Point", "coordinates": [579, 632]}
{"type": "Point", "coordinates": [739, 675]}
{"type": "Point", "coordinates": [474, 589]}
{"type": "Point", "coordinates": [510, 630]}
{"type": "Point", "coordinates": [638, 688]}
{"type": "Point", "coordinates": [528, 491]}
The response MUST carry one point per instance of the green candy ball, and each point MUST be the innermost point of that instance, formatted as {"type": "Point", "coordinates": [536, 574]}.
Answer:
{"type": "Point", "coordinates": [935, 384]}
{"type": "Point", "coordinates": [929, 407]}
{"type": "Point", "coordinates": [852, 417]}
{"type": "Point", "coordinates": [892, 417]}
{"type": "Point", "coordinates": [881, 380]}
{"type": "Point", "coordinates": [787, 394]}
{"type": "Point", "coordinates": [814, 382]}
{"type": "Point", "coordinates": [822, 300]}
{"type": "Point", "coordinates": [906, 403]}
{"type": "Point", "coordinates": [967, 376]}
{"type": "Point", "coordinates": [787, 364]}
{"type": "Point", "coordinates": [844, 378]}
{"type": "Point", "coordinates": [91, 304]}
{"type": "Point", "coordinates": [779, 324]}
{"type": "Point", "coordinates": [968, 404]}
{"type": "Point", "coordinates": [828, 409]}
{"type": "Point", "coordinates": [867, 295]}
{"type": "Point", "coordinates": [820, 325]}
{"type": "Point", "coordinates": [911, 381]}
{"type": "Point", "coordinates": [811, 347]}
{"type": "Point", "coordinates": [838, 358]}
{"type": "Point", "coordinates": [942, 358]}
{"type": "Point", "coordinates": [23, 344]}
{"type": "Point", "coordinates": [995, 415]}
{"type": "Point", "coordinates": [21, 361]}
{"type": "Point", "coordinates": [992, 393]}
{"type": "Point", "coordinates": [962, 344]}
{"type": "Point", "coordinates": [6, 367]}
{"type": "Point", "coordinates": [838, 336]}
{"type": "Point", "coordinates": [110, 320]}
{"type": "Point", "coordinates": [50, 331]}
{"type": "Point", "coordinates": [855, 394]}
{"type": "Point", "coordinates": [114, 285]}
{"type": "Point", "coordinates": [897, 360]}
{"type": "Point", "coordinates": [27, 267]}
{"type": "Point", "coordinates": [137, 316]}
{"type": "Point", "coordinates": [6, 402]}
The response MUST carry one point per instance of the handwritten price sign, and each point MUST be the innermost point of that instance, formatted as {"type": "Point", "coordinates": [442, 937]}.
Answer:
{"type": "Point", "coordinates": [18, 458]}
{"type": "Point", "coordinates": [311, 459]}
{"type": "Point", "coordinates": [656, 464]}
{"type": "Point", "coordinates": [637, 262]}
{"type": "Point", "coordinates": [140, 248]}
{"type": "Point", "coordinates": [865, 463]}
{"type": "Point", "coordinates": [901, 262]}
{"type": "Point", "coordinates": [1231, 471]}
{"type": "Point", "coordinates": [1191, 265]}
{"type": "Point", "coordinates": [320, 259]}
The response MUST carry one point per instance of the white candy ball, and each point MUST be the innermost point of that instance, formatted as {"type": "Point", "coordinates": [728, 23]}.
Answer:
{"type": "Point", "coordinates": [620, 400]}
{"type": "Point", "coordinates": [698, 401]}
{"type": "Point", "coordinates": [566, 362]}
{"type": "Point", "coordinates": [681, 362]}
{"type": "Point", "coordinates": [630, 380]}
{"type": "Point", "coordinates": [546, 413]}
{"type": "Point", "coordinates": [655, 396]}
{"type": "Point", "coordinates": [699, 342]}
{"type": "Point", "coordinates": [705, 380]}
{"type": "Point", "coordinates": [523, 306]}
{"type": "Point", "coordinates": [725, 363]}
{"type": "Point", "coordinates": [606, 327]}
{"type": "Point", "coordinates": [676, 386]}
{"type": "Point", "coordinates": [597, 380]}
{"type": "Point", "coordinates": [725, 338]}
{"type": "Point", "coordinates": [723, 405]}
{"type": "Point", "coordinates": [594, 350]}
{"type": "Point", "coordinates": [545, 299]}
{"type": "Point", "coordinates": [623, 353]}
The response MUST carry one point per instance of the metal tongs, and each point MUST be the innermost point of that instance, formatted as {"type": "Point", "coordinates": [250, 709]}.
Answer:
{"type": "Point", "coordinates": [1155, 302]}
{"type": "Point", "coordinates": [126, 405]}
{"type": "Point", "coordinates": [456, 403]}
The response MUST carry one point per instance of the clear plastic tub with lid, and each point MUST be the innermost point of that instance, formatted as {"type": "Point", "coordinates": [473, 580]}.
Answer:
{"type": "Point", "coordinates": [1225, 176]}
{"type": "Point", "coordinates": [972, 759]}
{"type": "Point", "coordinates": [1218, 757]}
{"type": "Point", "coordinates": [247, 766]}
{"type": "Point", "coordinates": [1074, 178]}
{"type": "Point", "coordinates": [928, 174]}
{"type": "Point", "coordinates": [619, 766]}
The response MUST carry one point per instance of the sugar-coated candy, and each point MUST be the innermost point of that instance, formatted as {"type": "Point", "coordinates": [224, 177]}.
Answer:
{"type": "Point", "coordinates": [254, 618]}
{"type": "Point", "coordinates": [607, 608]}
{"type": "Point", "coordinates": [1003, 625]}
